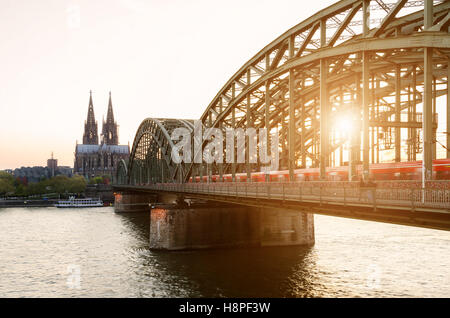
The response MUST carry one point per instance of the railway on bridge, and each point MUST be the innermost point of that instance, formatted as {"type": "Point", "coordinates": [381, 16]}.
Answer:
{"type": "Point", "coordinates": [356, 84]}
{"type": "Point", "coordinates": [428, 208]}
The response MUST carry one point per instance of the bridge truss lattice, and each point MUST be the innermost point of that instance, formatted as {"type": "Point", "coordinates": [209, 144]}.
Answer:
{"type": "Point", "coordinates": [380, 64]}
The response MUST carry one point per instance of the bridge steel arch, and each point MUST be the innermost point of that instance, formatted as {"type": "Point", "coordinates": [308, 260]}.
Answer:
{"type": "Point", "coordinates": [121, 176]}
{"type": "Point", "coordinates": [381, 63]}
{"type": "Point", "coordinates": [150, 158]}
{"type": "Point", "coordinates": [381, 69]}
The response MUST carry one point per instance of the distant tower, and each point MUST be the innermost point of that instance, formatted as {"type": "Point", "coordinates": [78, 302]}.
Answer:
{"type": "Point", "coordinates": [90, 136]}
{"type": "Point", "coordinates": [52, 164]}
{"type": "Point", "coordinates": [109, 132]}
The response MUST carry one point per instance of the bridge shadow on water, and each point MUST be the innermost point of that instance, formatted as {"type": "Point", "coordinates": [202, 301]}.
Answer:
{"type": "Point", "coordinates": [226, 272]}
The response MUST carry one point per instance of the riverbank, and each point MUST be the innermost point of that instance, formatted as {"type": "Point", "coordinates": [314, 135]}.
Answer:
{"type": "Point", "coordinates": [21, 203]}
{"type": "Point", "coordinates": [103, 192]}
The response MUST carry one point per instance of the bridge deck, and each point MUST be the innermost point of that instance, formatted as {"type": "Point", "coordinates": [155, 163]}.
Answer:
{"type": "Point", "coordinates": [418, 207]}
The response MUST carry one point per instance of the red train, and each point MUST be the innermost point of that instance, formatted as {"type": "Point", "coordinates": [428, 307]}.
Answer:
{"type": "Point", "coordinates": [381, 171]}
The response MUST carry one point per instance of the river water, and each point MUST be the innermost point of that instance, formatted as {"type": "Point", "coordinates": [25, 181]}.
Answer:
{"type": "Point", "coordinates": [49, 252]}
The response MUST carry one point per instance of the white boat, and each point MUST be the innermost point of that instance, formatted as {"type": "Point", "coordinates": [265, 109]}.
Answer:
{"type": "Point", "coordinates": [79, 203]}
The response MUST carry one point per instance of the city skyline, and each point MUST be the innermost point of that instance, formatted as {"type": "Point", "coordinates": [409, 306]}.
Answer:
{"type": "Point", "coordinates": [56, 51]}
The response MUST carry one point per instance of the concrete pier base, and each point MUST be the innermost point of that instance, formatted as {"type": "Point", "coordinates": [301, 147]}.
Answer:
{"type": "Point", "coordinates": [211, 226]}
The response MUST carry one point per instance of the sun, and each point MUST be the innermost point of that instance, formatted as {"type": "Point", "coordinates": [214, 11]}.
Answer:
{"type": "Point", "coordinates": [344, 125]}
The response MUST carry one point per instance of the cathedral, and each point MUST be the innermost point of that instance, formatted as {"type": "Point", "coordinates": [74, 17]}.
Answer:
{"type": "Point", "coordinates": [94, 159]}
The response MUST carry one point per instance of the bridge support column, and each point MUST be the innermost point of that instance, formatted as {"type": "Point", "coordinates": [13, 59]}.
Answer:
{"type": "Point", "coordinates": [428, 115]}
{"type": "Point", "coordinates": [214, 225]}
{"type": "Point", "coordinates": [366, 110]}
{"type": "Point", "coordinates": [267, 116]}
{"type": "Point", "coordinates": [323, 119]}
{"type": "Point", "coordinates": [249, 124]}
{"type": "Point", "coordinates": [355, 139]}
{"type": "Point", "coordinates": [398, 130]}
{"type": "Point", "coordinates": [291, 126]}
{"type": "Point", "coordinates": [324, 109]}
{"type": "Point", "coordinates": [414, 115]}
{"type": "Point", "coordinates": [448, 111]}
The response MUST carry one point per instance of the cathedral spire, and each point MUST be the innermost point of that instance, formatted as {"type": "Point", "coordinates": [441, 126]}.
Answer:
{"type": "Point", "coordinates": [90, 136]}
{"type": "Point", "coordinates": [109, 131]}
{"type": "Point", "coordinates": [110, 115]}
{"type": "Point", "coordinates": [91, 115]}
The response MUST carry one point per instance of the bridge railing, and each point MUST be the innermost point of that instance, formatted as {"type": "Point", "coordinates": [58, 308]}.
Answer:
{"type": "Point", "coordinates": [352, 195]}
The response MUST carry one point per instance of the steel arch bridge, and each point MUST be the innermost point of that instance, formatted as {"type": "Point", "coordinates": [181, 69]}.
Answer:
{"type": "Point", "coordinates": [378, 66]}
{"type": "Point", "coordinates": [150, 158]}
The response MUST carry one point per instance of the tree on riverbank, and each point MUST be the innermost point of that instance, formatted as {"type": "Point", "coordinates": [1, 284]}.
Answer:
{"type": "Point", "coordinates": [60, 184]}
{"type": "Point", "coordinates": [100, 180]}
{"type": "Point", "coordinates": [6, 183]}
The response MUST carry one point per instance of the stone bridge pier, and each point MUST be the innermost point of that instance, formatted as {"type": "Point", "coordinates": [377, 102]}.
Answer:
{"type": "Point", "coordinates": [214, 225]}
{"type": "Point", "coordinates": [179, 224]}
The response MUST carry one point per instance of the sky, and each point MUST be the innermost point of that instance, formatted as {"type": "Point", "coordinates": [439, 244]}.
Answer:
{"type": "Point", "coordinates": [159, 58]}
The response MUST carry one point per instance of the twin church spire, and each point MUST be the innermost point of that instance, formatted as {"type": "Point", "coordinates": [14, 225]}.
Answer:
{"type": "Point", "coordinates": [109, 134]}
{"type": "Point", "coordinates": [90, 136]}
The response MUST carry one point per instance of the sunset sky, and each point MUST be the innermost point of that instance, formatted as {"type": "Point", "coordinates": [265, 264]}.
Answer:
{"type": "Point", "coordinates": [159, 58]}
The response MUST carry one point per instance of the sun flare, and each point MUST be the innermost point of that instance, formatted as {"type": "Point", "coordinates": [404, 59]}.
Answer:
{"type": "Point", "coordinates": [344, 125]}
